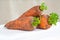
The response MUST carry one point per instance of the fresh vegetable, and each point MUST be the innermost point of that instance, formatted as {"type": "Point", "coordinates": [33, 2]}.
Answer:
{"type": "Point", "coordinates": [22, 24]}
{"type": "Point", "coordinates": [43, 22]}
{"type": "Point", "coordinates": [43, 6]}
{"type": "Point", "coordinates": [24, 21]}
{"type": "Point", "coordinates": [34, 11]}
{"type": "Point", "coordinates": [53, 18]}
{"type": "Point", "coordinates": [35, 22]}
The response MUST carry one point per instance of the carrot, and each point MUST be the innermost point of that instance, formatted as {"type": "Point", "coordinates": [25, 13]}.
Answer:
{"type": "Point", "coordinates": [34, 11]}
{"type": "Point", "coordinates": [47, 20]}
{"type": "Point", "coordinates": [25, 23]}
{"type": "Point", "coordinates": [44, 22]}
{"type": "Point", "coordinates": [22, 24]}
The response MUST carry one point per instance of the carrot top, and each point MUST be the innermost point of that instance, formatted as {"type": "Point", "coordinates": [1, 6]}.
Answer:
{"type": "Point", "coordinates": [53, 18]}
{"type": "Point", "coordinates": [43, 6]}
{"type": "Point", "coordinates": [36, 21]}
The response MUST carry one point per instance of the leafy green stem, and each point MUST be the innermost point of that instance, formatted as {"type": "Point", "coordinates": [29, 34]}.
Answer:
{"type": "Point", "coordinates": [53, 18]}
{"type": "Point", "coordinates": [43, 6]}
{"type": "Point", "coordinates": [36, 21]}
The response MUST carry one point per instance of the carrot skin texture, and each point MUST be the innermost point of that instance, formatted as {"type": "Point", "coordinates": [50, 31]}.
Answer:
{"type": "Point", "coordinates": [34, 11]}
{"type": "Point", "coordinates": [44, 22]}
{"type": "Point", "coordinates": [22, 24]}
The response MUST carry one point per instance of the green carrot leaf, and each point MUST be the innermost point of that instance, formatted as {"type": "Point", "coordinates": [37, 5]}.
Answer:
{"type": "Point", "coordinates": [53, 18]}
{"type": "Point", "coordinates": [36, 21]}
{"type": "Point", "coordinates": [43, 6]}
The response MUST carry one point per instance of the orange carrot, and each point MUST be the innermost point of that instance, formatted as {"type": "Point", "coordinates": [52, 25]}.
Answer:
{"type": "Point", "coordinates": [22, 24]}
{"type": "Point", "coordinates": [34, 11]}
{"type": "Point", "coordinates": [44, 22]}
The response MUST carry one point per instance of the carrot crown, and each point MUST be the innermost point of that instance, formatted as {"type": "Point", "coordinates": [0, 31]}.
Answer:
{"type": "Point", "coordinates": [43, 6]}
{"type": "Point", "coordinates": [53, 18]}
{"type": "Point", "coordinates": [36, 21]}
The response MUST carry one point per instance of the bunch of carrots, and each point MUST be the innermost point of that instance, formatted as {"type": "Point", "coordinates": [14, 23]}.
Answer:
{"type": "Point", "coordinates": [34, 18]}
